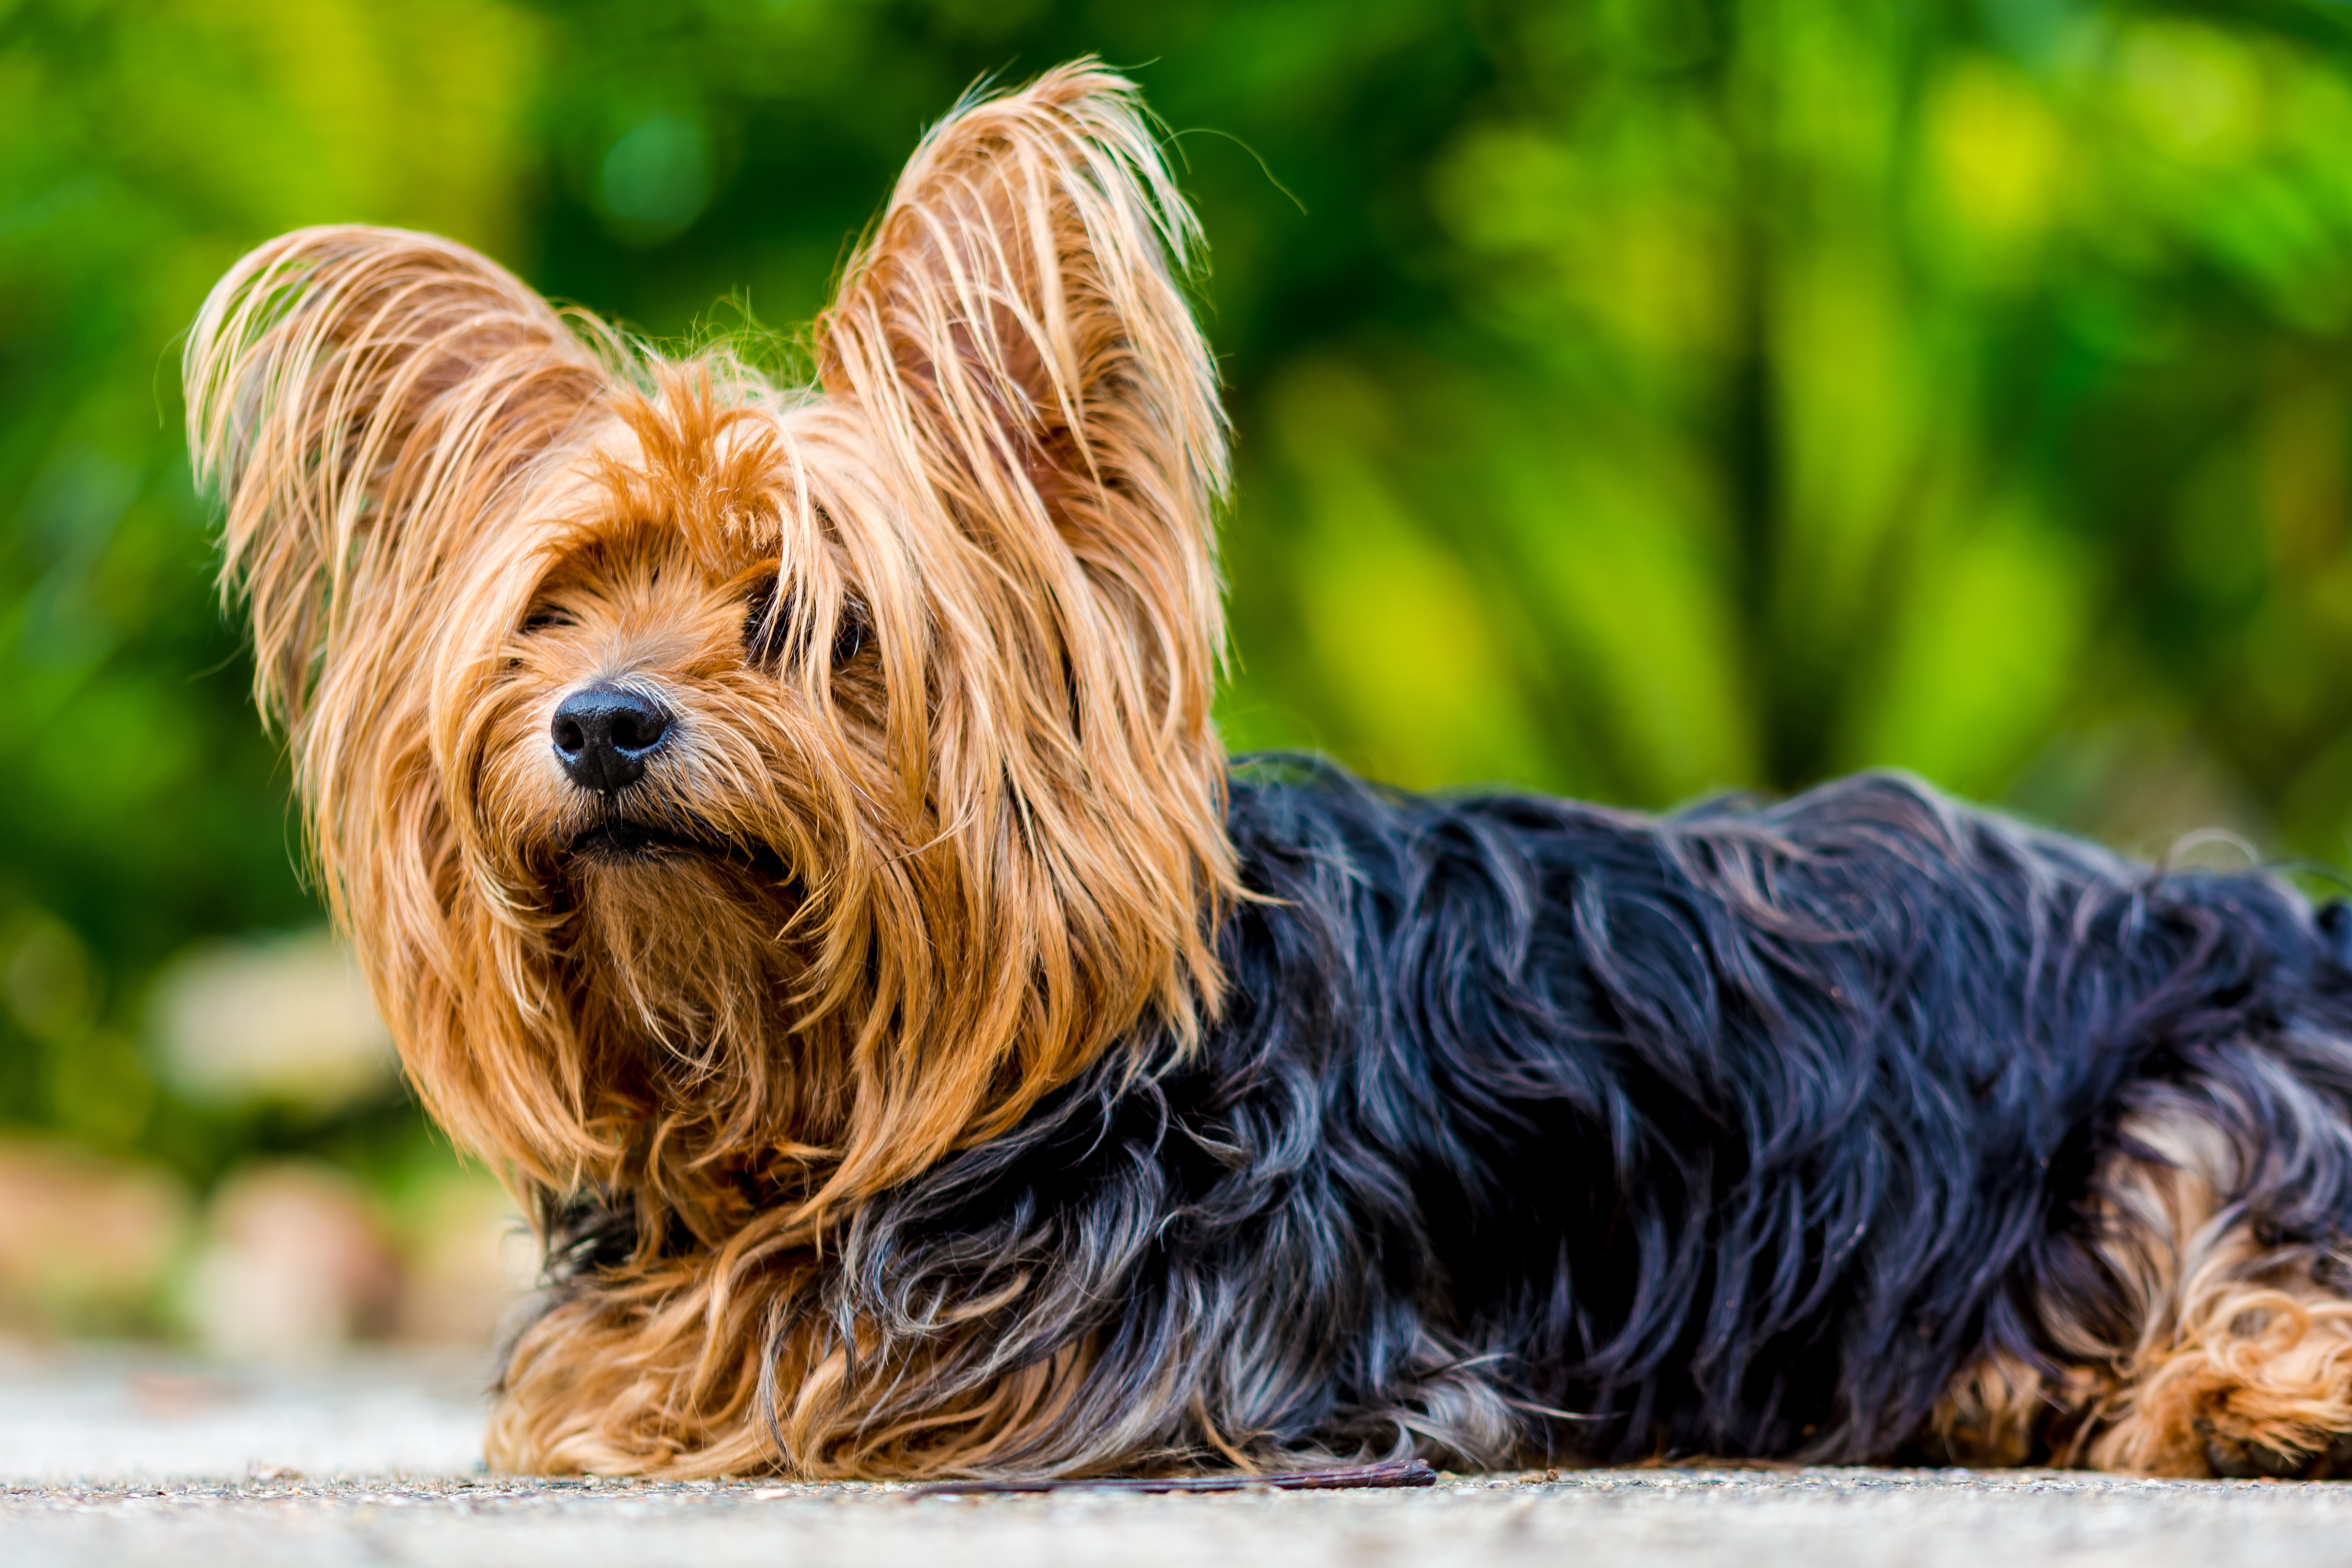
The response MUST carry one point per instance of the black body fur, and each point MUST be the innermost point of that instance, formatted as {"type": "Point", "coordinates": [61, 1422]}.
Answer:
{"type": "Point", "coordinates": [1537, 1129]}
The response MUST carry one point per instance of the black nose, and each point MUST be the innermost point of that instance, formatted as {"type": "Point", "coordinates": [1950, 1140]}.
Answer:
{"type": "Point", "coordinates": [603, 736]}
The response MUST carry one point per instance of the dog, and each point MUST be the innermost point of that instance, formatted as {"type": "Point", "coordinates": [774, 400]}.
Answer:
{"type": "Point", "coordinates": [785, 831]}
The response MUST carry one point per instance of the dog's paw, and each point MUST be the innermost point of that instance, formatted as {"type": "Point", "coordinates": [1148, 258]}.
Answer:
{"type": "Point", "coordinates": [2236, 1457]}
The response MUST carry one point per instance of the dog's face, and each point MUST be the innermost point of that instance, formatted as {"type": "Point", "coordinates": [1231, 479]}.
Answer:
{"type": "Point", "coordinates": [738, 792]}
{"type": "Point", "coordinates": [645, 721]}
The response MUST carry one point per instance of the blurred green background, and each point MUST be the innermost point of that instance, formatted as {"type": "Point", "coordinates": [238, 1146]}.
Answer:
{"type": "Point", "coordinates": [1634, 398]}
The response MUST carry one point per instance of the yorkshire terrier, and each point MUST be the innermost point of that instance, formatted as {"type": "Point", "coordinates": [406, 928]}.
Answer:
{"type": "Point", "coordinates": [785, 831]}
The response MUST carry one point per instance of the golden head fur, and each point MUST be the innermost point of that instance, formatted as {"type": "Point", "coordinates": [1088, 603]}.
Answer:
{"type": "Point", "coordinates": [939, 816]}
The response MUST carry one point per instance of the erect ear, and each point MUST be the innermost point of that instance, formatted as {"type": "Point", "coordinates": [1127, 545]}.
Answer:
{"type": "Point", "coordinates": [359, 395]}
{"type": "Point", "coordinates": [1021, 376]}
{"type": "Point", "coordinates": [1015, 331]}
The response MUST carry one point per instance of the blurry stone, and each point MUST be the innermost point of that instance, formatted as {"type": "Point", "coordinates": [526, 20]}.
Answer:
{"type": "Point", "coordinates": [86, 1242]}
{"type": "Point", "coordinates": [287, 1020]}
{"type": "Point", "coordinates": [168, 1396]}
{"type": "Point", "coordinates": [469, 1258]}
{"type": "Point", "coordinates": [295, 1266]}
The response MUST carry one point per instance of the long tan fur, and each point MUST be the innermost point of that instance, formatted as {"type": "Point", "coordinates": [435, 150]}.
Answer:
{"type": "Point", "coordinates": [2205, 1351]}
{"type": "Point", "coordinates": [950, 869]}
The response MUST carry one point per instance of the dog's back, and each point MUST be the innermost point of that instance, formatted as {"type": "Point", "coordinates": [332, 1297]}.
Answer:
{"type": "Point", "coordinates": [1850, 1128]}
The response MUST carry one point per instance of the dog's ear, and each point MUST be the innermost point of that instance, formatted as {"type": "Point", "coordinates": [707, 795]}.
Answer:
{"type": "Point", "coordinates": [1015, 351]}
{"type": "Point", "coordinates": [361, 397]}
{"type": "Point", "coordinates": [1013, 346]}
{"type": "Point", "coordinates": [1015, 331]}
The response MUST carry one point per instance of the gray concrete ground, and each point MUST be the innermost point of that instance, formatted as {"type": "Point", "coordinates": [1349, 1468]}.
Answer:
{"type": "Point", "coordinates": [121, 1460]}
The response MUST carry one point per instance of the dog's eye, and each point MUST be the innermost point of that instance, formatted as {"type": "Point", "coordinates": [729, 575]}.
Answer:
{"type": "Point", "coordinates": [768, 626]}
{"type": "Point", "coordinates": [850, 637]}
{"type": "Point", "coordinates": [765, 621]}
{"type": "Point", "coordinates": [546, 618]}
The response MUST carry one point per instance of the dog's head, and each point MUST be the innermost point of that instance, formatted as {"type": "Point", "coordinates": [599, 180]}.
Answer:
{"type": "Point", "coordinates": [728, 787]}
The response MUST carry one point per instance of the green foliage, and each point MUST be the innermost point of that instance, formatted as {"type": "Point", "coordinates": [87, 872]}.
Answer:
{"type": "Point", "coordinates": [1635, 397]}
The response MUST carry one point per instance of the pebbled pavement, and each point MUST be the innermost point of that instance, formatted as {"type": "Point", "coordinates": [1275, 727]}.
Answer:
{"type": "Point", "coordinates": [121, 1460]}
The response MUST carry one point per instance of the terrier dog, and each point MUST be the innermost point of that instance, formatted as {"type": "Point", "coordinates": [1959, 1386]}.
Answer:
{"type": "Point", "coordinates": [785, 831]}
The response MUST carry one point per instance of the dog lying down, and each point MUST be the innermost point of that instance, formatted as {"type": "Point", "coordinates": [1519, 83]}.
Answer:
{"type": "Point", "coordinates": [784, 829]}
